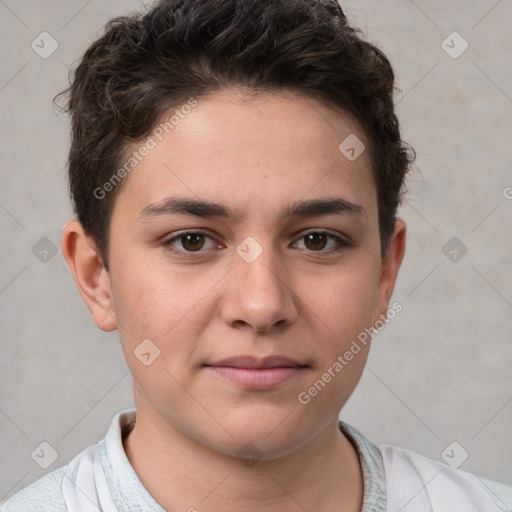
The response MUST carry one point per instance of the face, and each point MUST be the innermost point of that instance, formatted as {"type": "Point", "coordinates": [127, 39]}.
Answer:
{"type": "Point", "coordinates": [245, 247]}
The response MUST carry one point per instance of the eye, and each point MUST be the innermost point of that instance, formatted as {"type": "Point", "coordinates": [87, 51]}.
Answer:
{"type": "Point", "coordinates": [190, 241]}
{"type": "Point", "coordinates": [317, 240]}
{"type": "Point", "coordinates": [194, 241]}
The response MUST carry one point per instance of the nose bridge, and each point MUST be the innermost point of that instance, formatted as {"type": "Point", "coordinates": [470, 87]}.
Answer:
{"type": "Point", "coordinates": [260, 295]}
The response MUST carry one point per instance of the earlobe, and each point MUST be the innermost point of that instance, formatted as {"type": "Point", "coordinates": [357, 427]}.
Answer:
{"type": "Point", "coordinates": [91, 278]}
{"type": "Point", "coordinates": [390, 265]}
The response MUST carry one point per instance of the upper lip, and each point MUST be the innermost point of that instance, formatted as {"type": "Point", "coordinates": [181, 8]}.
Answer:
{"type": "Point", "coordinates": [257, 362]}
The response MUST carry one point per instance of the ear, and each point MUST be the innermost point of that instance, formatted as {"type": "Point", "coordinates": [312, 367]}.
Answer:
{"type": "Point", "coordinates": [91, 278]}
{"type": "Point", "coordinates": [390, 265]}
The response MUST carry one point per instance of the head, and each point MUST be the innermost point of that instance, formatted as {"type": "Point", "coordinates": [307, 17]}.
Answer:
{"type": "Point", "coordinates": [267, 132]}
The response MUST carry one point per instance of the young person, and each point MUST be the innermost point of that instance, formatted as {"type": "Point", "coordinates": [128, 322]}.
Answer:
{"type": "Point", "coordinates": [235, 170]}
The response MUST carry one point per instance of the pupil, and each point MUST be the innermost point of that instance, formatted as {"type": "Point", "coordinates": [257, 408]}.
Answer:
{"type": "Point", "coordinates": [313, 236]}
{"type": "Point", "coordinates": [193, 236]}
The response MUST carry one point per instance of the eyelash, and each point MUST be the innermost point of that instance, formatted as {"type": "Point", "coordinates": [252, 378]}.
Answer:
{"type": "Point", "coordinates": [342, 244]}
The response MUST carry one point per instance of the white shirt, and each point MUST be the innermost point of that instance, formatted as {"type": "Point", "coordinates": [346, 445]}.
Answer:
{"type": "Point", "coordinates": [101, 479]}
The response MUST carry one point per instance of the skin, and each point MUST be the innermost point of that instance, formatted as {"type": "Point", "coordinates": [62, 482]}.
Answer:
{"type": "Point", "coordinates": [299, 298]}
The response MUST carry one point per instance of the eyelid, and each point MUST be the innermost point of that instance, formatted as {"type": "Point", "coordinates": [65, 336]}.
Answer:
{"type": "Point", "coordinates": [336, 234]}
{"type": "Point", "coordinates": [167, 242]}
{"type": "Point", "coordinates": [343, 241]}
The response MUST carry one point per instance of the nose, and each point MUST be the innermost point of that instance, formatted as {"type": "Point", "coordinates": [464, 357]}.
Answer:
{"type": "Point", "coordinates": [259, 295]}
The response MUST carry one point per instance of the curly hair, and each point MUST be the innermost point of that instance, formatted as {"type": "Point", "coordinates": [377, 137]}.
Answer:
{"type": "Point", "coordinates": [145, 64]}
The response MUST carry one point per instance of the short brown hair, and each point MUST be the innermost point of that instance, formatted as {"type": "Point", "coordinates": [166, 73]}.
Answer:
{"type": "Point", "coordinates": [144, 64]}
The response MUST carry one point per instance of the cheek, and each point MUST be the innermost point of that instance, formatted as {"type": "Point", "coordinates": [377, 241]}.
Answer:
{"type": "Point", "coordinates": [151, 301]}
{"type": "Point", "coordinates": [157, 335]}
{"type": "Point", "coordinates": [345, 304]}
{"type": "Point", "coordinates": [344, 315]}
{"type": "Point", "coordinates": [170, 309]}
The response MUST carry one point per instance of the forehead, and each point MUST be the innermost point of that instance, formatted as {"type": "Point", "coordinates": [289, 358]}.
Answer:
{"type": "Point", "coordinates": [246, 151]}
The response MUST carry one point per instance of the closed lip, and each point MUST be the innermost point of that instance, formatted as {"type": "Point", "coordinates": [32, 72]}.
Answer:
{"type": "Point", "coordinates": [252, 362]}
{"type": "Point", "coordinates": [257, 373]}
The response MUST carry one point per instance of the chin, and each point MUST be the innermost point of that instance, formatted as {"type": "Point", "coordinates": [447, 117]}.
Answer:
{"type": "Point", "coordinates": [260, 436]}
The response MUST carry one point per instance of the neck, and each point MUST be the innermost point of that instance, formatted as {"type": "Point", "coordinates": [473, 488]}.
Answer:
{"type": "Point", "coordinates": [182, 474]}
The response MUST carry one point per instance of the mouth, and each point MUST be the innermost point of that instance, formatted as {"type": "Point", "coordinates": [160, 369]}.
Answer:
{"type": "Point", "coordinates": [257, 373]}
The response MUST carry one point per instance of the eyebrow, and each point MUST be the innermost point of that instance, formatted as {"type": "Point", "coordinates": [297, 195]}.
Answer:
{"type": "Point", "coordinates": [202, 208]}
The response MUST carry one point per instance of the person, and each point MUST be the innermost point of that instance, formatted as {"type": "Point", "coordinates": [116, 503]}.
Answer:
{"type": "Point", "coordinates": [235, 170]}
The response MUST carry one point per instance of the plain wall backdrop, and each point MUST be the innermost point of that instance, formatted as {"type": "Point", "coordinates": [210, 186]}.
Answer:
{"type": "Point", "coordinates": [439, 373]}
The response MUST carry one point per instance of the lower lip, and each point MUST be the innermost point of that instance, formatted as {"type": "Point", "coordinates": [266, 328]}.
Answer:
{"type": "Point", "coordinates": [257, 378]}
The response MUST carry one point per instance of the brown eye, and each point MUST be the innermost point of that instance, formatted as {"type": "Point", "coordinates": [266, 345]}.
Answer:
{"type": "Point", "coordinates": [192, 241]}
{"type": "Point", "coordinates": [317, 241]}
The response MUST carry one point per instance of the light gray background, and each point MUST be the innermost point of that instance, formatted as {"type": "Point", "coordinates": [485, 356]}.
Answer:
{"type": "Point", "coordinates": [438, 373]}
